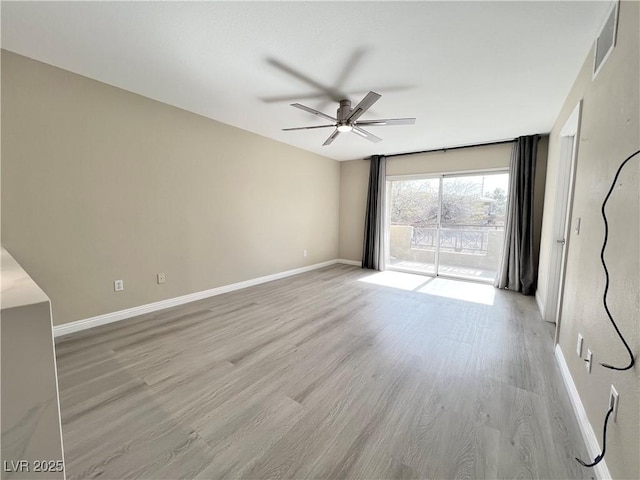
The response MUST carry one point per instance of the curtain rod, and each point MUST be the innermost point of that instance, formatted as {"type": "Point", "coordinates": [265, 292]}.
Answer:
{"type": "Point", "coordinates": [444, 149]}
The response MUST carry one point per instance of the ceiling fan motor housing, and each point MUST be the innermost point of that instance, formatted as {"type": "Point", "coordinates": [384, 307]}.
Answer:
{"type": "Point", "coordinates": [343, 111]}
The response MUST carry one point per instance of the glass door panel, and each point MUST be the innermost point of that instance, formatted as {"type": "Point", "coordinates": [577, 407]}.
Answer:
{"type": "Point", "coordinates": [472, 225]}
{"type": "Point", "coordinates": [413, 225]}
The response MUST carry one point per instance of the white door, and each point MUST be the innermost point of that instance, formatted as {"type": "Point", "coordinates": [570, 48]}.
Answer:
{"type": "Point", "coordinates": [562, 216]}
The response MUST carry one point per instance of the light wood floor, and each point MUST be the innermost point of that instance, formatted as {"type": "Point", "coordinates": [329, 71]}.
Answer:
{"type": "Point", "coordinates": [328, 374]}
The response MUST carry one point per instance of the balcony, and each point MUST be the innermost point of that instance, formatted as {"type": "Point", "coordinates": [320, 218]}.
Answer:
{"type": "Point", "coordinates": [465, 252]}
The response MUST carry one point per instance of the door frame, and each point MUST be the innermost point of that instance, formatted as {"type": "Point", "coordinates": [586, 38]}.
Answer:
{"type": "Point", "coordinates": [425, 176]}
{"type": "Point", "coordinates": [561, 226]}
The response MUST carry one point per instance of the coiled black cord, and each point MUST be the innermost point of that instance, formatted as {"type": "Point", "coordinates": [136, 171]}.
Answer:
{"type": "Point", "coordinates": [599, 458]}
{"type": "Point", "coordinates": [606, 271]}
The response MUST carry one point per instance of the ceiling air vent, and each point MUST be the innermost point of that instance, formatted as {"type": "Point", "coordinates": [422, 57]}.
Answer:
{"type": "Point", "coordinates": [606, 40]}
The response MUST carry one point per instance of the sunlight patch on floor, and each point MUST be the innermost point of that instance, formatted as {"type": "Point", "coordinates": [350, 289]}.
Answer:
{"type": "Point", "coordinates": [460, 290]}
{"type": "Point", "coordinates": [403, 281]}
{"type": "Point", "coordinates": [441, 287]}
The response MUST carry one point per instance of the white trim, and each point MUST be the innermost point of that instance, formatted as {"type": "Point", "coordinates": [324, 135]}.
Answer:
{"type": "Point", "coordinates": [590, 439]}
{"type": "Point", "coordinates": [57, 399]}
{"type": "Point", "coordinates": [562, 218]}
{"type": "Point", "coordinates": [349, 262]}
{"type": "Point", "coordinates": [572, 125]}
{"type": "Point", "coordinates": [540, 303]}
{"type": "Point", "coordinates": [72, 327]}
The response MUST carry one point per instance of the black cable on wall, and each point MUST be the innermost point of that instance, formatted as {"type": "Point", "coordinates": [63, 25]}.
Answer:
{"type": "Point", "coordinates": [606, 271]}
{"type": "Point", "coordinates": [599, 458]}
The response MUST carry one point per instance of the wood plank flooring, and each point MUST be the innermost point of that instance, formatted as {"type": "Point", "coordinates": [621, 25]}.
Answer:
{"type": "Point", "coordinates": [329, 374]}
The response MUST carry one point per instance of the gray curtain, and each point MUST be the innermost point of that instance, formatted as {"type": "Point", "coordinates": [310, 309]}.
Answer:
{"type": "Point", "coordinates": [517, 270]}
{"type": "Point", "coordinates": [373, 248]}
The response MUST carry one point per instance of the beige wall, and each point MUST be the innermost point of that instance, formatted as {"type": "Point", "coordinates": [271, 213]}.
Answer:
{"type": "Point", "coordinates": [464, 159]}
{"type": "Point", "coordinates": [610, 131]}
{"type": "Point", "coordinates": [354, 177]}
{"type": "Point", "coordinates": [100, 184]}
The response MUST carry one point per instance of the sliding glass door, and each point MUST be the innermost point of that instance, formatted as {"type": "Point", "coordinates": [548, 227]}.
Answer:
{"type": "Point", "coordinates": [449, 225]}
{"type": "Point", "coordinates": [414, 218]}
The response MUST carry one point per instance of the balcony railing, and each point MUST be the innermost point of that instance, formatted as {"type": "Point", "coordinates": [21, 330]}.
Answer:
{"type": "Point", "coordinates": [474, 241]}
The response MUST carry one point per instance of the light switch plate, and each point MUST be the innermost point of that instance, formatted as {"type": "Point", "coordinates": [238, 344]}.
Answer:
{"type": "Point", "coordinates": [579, 345]}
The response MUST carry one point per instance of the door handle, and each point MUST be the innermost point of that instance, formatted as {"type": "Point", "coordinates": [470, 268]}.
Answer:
{"type": "Point", "coordinates": [561, 241]}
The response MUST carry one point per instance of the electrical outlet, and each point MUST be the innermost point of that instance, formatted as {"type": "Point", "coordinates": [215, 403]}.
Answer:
{"type": "Point", "coordinates": [118, 285]}
{"type": "Point", "coordinates": [589, 360]}
{"type": "Point", "coordinates": [161, 278]}
{"type": "Point", "coordinates": [614, 398]}
{"type": "Point", "coordinates": [304, 253]}
{"type": "Point", "coordinates": [579, 345]}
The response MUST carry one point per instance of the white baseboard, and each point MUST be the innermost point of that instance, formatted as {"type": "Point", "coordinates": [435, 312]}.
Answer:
{"type": "Point", "coordinates": [590, 439]}
{"type": "Point", "coordinates": [72, 327]}
{"type": "Point", "coordinates": [349, 262]}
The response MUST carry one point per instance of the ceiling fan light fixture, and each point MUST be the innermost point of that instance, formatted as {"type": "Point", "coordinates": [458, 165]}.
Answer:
{"type": "Point", "coordinates": [347, 119]}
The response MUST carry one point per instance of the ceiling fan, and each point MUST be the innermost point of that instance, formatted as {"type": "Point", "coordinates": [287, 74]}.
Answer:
{"type": "Point", "coordinates": [347, 119]}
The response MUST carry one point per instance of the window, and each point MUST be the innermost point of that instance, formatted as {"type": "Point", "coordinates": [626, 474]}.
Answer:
{"type": "Point", "coordinates": [449, 225]}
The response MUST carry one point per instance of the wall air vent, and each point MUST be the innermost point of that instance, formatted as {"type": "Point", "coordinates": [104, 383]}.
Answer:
{"type": "Point", "coordinates": [606, 40]}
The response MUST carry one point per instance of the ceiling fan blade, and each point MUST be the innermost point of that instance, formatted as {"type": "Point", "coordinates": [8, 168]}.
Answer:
{"type": "Point", "coordinates": [291, 98]}
{"type": "Point", "coordinates": [363, 133]}
{"type": "Point", "coordinates": [330, 92]}
{"type": "Point", "coordinates": [349, 67]}
{"type": "Point", "coordinates": [315, 112]}
{"type": "Point", "coordinates": [307, 128]}
{"type": "Point", "coordinates": [364, 105]}
{"type": "Point", "coordinates": [387, 121]}
{"type": "Point", "coordinates": [332, 137]}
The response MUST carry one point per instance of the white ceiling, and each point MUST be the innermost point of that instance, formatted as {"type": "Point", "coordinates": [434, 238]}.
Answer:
{"type": "Point", "coordinates": [471, 72]}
